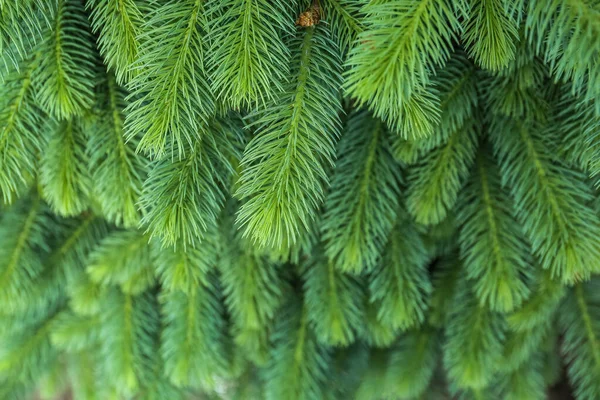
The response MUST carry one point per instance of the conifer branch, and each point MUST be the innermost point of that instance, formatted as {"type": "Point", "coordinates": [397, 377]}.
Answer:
{"type": "Point", "coordinates": [581, 343]}
{"type": "Point", "coordinates": [495, 254]}
{"type": "Point", "coordinates": [560, 29]}
{"type": "Point", "coordinates": [474, 338]}
{"type": "Point", "coordinates": [251, 69]}
{"type": "Point", "coordinates": [298, 365]}
{"type": "Point", "coordinates": [64, 79]}
{"type": "Point", "coordinates": [362, 203]}
{"type": "Point", "coordinates": [400, 282]}
{"type": "Point", "coordinates": [412, 363]}
{"type": "Point", "coordinates": [391, 65]}
{"type": "Point", "coordinates": [118, 24]}
{"type": "Point", "coordinates": [64, 173]}
{"type": "Point", "coordinates": [183, 197]}
{"type": "Point", "coordinates": [171, 98]}
{"type": "Point", "coordinates": [123, 258]}
{"type": "Point", "coordinates": [20, 119]}
{"type": "Point", "coordinates": [434, 182]}
{"type": "Point", "coordinates": [333, 302]}
{"type": "Point", "coordinates": [551, 201]}
{"type": "Point", "coordinates": [192, 340]}
{"type": "Point", "coordinates": [117, 171]}
{"type": "Point", "coordinates": [284, 166]}
{"type": "Point", "coordinates": [491, 32]}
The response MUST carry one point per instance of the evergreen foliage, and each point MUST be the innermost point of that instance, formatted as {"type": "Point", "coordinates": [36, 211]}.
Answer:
{"type": "Point", "coordinates": [299, 200]}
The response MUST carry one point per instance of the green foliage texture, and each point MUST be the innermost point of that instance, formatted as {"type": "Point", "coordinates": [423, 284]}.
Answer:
{"type": "Point", "coordinates": [299, 199]}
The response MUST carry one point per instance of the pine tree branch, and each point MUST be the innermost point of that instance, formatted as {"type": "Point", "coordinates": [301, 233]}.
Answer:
{"type": "Point", "coordinates": [20, 119]}
{"type": "Point", "coordinates": [495, 254]}
{"type": "Point", "coordinates": [551, 200]}
{"type": "Point", "coordinates": [333, 302]}
{"type": "Point", "coordinates": [283, 169]}
{"type": "Point", "coordinates": [64, 175]}
{"type": "Point", "coordinates": [183, 197]}
{"type": "Point", "coordinates": [391, 65]}
{"type": "Point", "coordinates": [251, 69]}
{"type": "Point", "coordinates": [64, 79]}
{"type": "Point", "coordinates": [119, 26]}
{"type": "Point", "coordinates": [117, 171]}
{"type": "Point", "coordinates": [171, 98]}
{"type": "Point", "coordinates": [400, 282]}
{"type": "Point", "coordinates": [361, 206]}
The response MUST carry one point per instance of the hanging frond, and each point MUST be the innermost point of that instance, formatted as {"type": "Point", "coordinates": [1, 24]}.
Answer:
{"type": "Point", "coordinates": [435, 181]}
{"type": "Point", "coordinates": [333, 302]}
{"type": "Point", "coordinates": [284, 166]}
{"type": "Point", "coordinates": [25, 350]}
{"type": "Point", "coordinates": [128, 325]}
{"type": "Point", "coordinates": [525, 383]}
{"type": "Point", "coordinates": [580, 323]}
{"type": "Point", "coordinates": [400, 282]}
{"type": "Point", "coordinates": [64, 79]}
{"type": "Point", "coordinates": [184, 269]}
{"type": "Point", "coordinates": [171, 98]}
{"type": "Point", "coordinates": [551, 200]}
{"type": "Point", "coordinates": [64, 175]}
{"type": "Point", "coordinates": [123, 258]}
{"type": "Point", "coordinates": [117, 171]}
{"type": "Point", "coordinates": [412, 363]}
{"type": "Point", "coordinates": [21, 131]}
{"type": "Point", "coordinates": [491, 31]}
{"type": "Point", "coordinates": [474, 338]}
{"type": "Point", "coordinates": [560, 29]}
{"type": "Point", "coordinates": [345, 20]}
{"type": "Point", "coordinates": [192, 341]}
{"type": "Point", "coordinates": [541, 304]}
{"type": "Point", "coordinates": [362, 202]}
{"type": "Point", "coordinates": [183, 197]}
{"type": "Point", "coordinates": [389, 68]}
{"type": "Point", "coordinates": [457, 90]}
{"type": "Point", "coordinates": [22, 248]}
{"type": "Point", "coordinates": [118, 24]}
{"type": "Point", "coordinates": [22, 25]}
{"type": "Point", "coordinates": [496, 256]}
{"type": "Point", "coordinates": [254, 289]}
{"type": "Point", "coordinates": [298, 366]}
{"type": "Point", "coordinates": [252, 68]}
{"type": "Point", "coordinates": [445, 280]}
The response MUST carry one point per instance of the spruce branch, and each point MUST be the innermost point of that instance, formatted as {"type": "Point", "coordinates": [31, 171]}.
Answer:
{"type": "Point", "coordinates": [64, 174]}
{"type": "Point", "coordinates": [252, 68]}
{"type": "Point", "coordinates": [64, 79]}
{"type": "Point", "coordinates": [435, 181]}
{"type": "Point", "coordinates": [118, 24]}
{"type": "Point", "coordinates": [400, 284]}
{"type": "Point", "coordinates": [192, 341]}
{"type": "Point", "coordinates": [171, 100]}
{"type": "Point", "coordinates": [560, 29]}
{"type": "Point", "coordinates": [389, 68]}
{"type": "Point", "coordinates": [183, 197]}
{"type": "Point", "coordinates": [495, 254]}
{"type": "Point", "coordinates": [123, 258]}
{"type": "Point", "coordinates": [20, 120]}
{"type": "Point", "coordinates": [333, 302]}
{"type": "Point", "coordinates": [474, 340]}
{"type": "Point", "coordinates": [581, 341]}
{"type": "Point", "coordinates": [362, 202]}
{"type": "Point", "coordinates": [491, 31]}
{"type": "Point", "coordinates": [298, 365]}
{"type": "Point", "coordinates": [117, 171]}
{"type": "Point", "coordinates": [551, 200]}
{"type": "Point", "coordinates": [284, 165]}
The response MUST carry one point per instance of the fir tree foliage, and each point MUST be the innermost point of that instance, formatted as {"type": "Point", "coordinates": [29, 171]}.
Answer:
{"type": "Point", "coordinates": [305, 199]}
